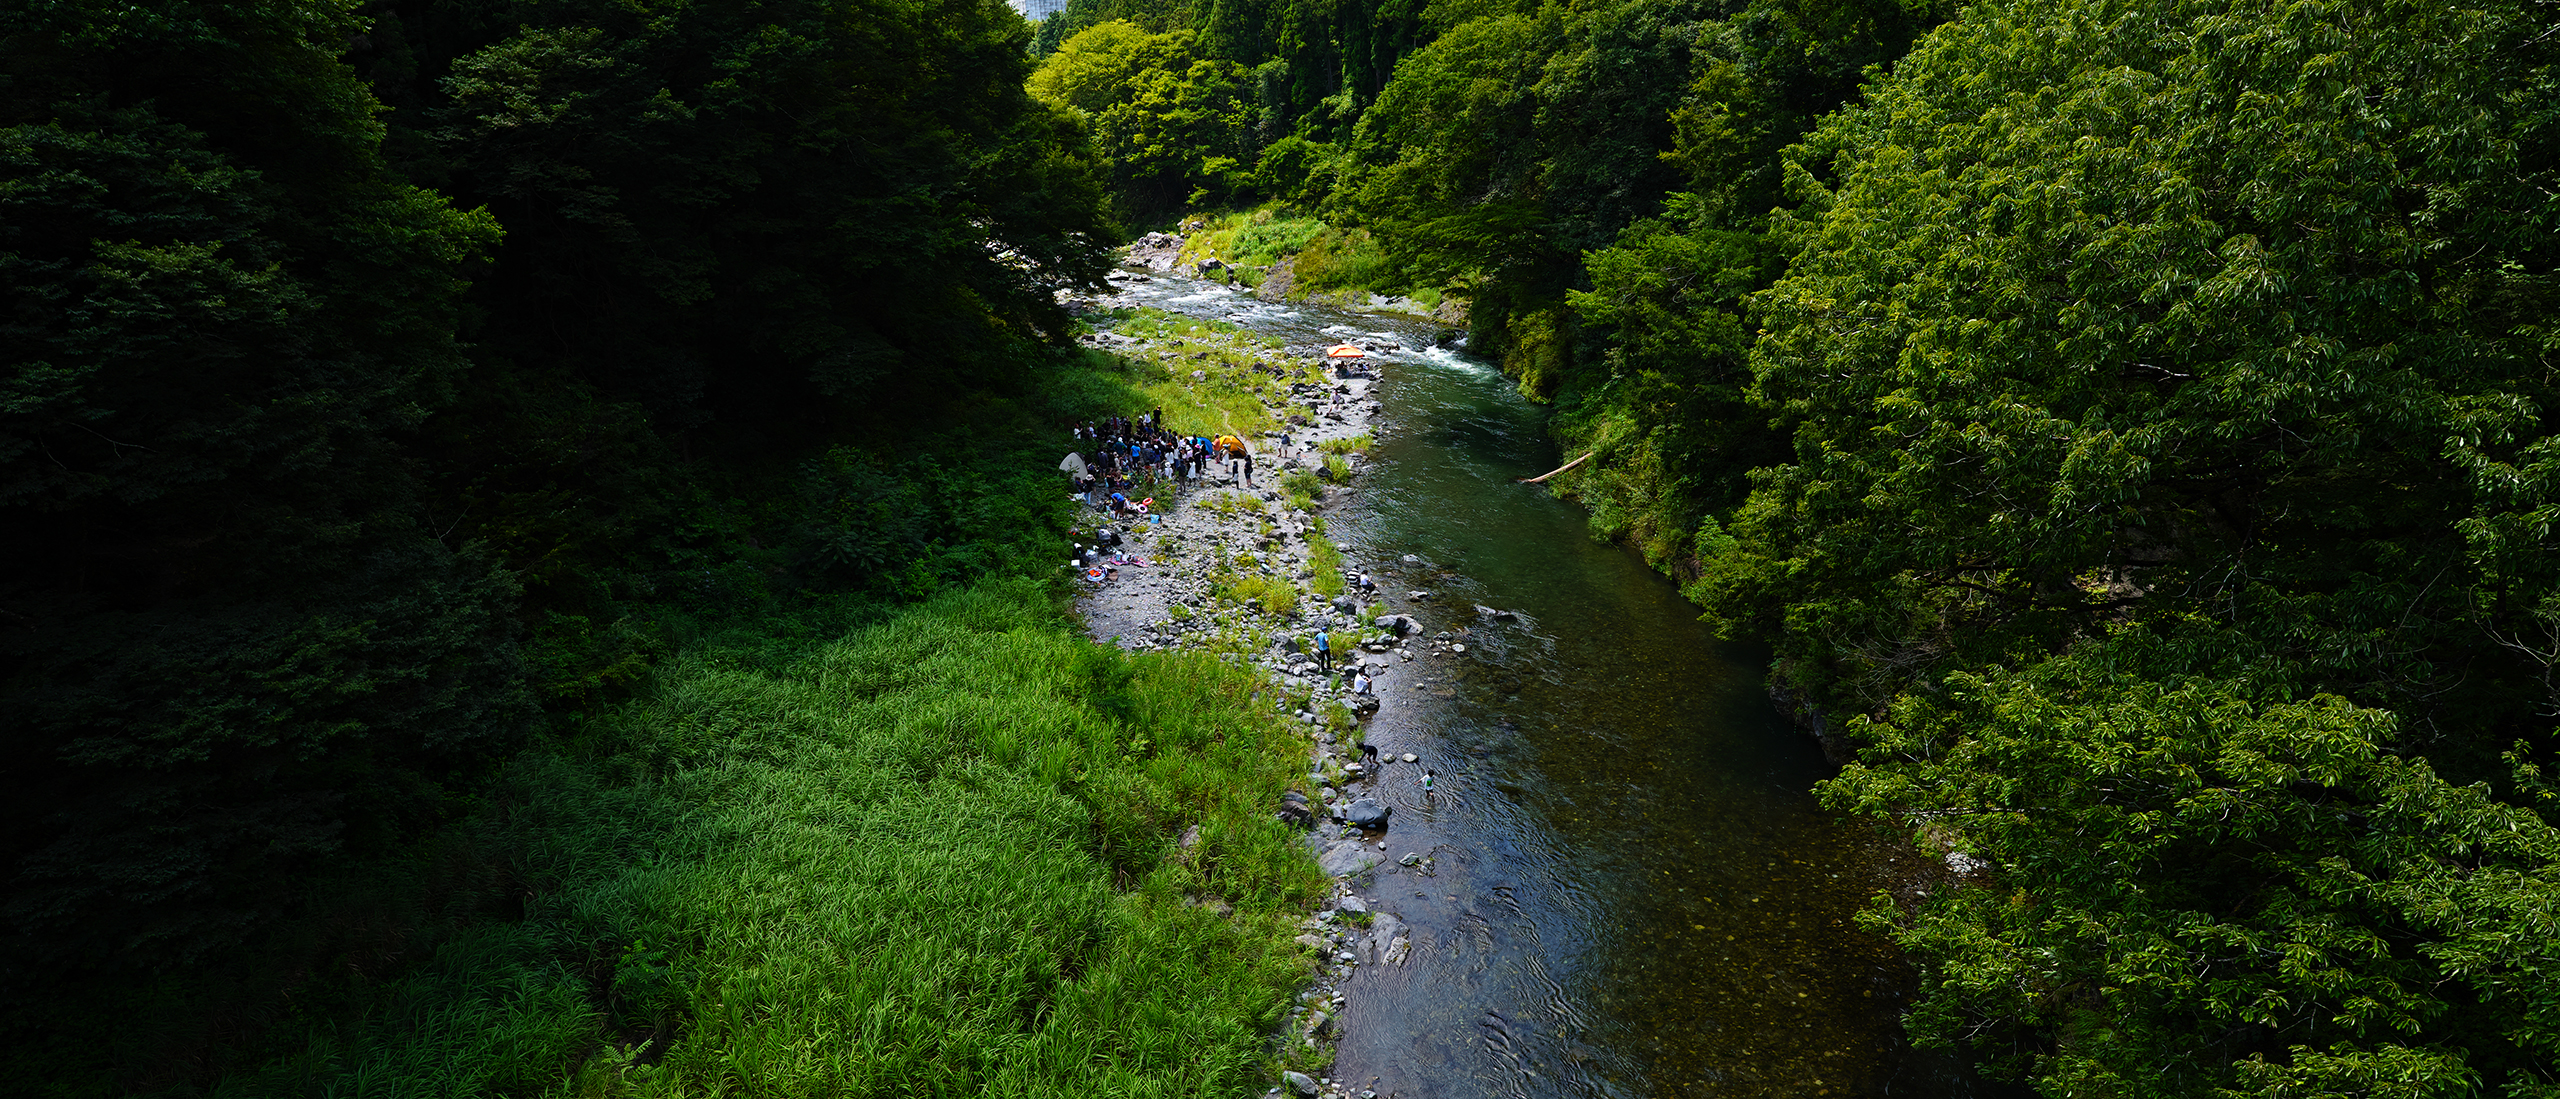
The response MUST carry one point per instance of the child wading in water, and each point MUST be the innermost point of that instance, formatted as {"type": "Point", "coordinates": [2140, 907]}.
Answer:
{"type": "Point", "coordinates": [1425, 780]}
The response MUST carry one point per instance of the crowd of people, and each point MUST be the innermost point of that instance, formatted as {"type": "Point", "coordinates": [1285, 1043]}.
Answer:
{"type": "Point", "coordinates": [1122, 456]}
{"type": "Point", "coordinates": [1118, 460]}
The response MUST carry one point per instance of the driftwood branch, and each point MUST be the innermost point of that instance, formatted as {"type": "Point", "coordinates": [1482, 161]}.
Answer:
{"type": "Point", "coordinates": [1557, 470]}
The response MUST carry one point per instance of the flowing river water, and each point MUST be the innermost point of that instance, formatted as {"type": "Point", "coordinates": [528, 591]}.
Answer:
{"type": "Point", "coordinates": [1633, 892]}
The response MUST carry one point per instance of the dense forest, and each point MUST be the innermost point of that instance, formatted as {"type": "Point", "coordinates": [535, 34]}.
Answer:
{"type": "Point", "coordinates": [531, 545]}
{"type": "Point", "coordinates": [473, 463]}
{"type": "Point", "coordinates": [2131, 421]}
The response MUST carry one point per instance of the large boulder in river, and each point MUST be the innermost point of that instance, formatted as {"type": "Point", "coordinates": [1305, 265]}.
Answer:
{"type": "Point", "coordinates": [1156, 252]}
{"type": "Point", "coordinates": [1367, 813]}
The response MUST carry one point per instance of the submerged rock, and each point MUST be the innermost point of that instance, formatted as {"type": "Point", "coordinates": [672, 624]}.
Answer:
{"type": "Point", "coordinates": [1346, 857]}
{"type": "Point", "coordinates": [1367, 813]}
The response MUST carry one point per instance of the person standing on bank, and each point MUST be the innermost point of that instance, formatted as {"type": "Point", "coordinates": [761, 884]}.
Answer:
{"type": "Point", "coordinates": [1324, 653]}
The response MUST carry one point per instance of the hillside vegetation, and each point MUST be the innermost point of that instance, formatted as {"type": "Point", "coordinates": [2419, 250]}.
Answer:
{"type": "Point", "coordinates": [937, 857]}
{"type": "Point", "coordinates": [2131, 421]}
{"type": "Point", "coordinates": [532, 552]}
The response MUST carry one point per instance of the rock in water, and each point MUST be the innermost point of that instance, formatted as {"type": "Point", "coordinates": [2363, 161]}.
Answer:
{"type": "Point", "coordinates": [1384, 930]}
{"type": "Point", "coordinates": [1346, 857]}
{"type": "Point", "coordinates": [1300, 1082]}
{"type": "Point", "coordinates": [1367, 813]}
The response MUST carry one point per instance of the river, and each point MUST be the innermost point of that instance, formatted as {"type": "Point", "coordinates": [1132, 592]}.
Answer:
{"type": "Point", "coordinates": [1634, 893]}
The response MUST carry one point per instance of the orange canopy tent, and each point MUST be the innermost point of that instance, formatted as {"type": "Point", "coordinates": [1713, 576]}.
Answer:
{"type": "Point", "coordinates": [1346, 351]}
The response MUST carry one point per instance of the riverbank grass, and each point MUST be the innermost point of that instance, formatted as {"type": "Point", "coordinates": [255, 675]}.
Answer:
{"type": "Point", "coordinates": [965, 852]}
{"type": "Point", "coordinates": [1240, 378]}
{"type": "Point", "coordinates": [1326, 263]}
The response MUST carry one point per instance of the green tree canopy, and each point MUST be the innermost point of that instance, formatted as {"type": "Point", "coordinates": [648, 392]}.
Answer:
{"type": "Point", "coordinates": [232, 647]}
{"type": "Point", "coordinates": [285, 436]}
{"type": "Point", "coordinates": [759, 212]}
{"type": "Point", "coordinates": [1168, 121]}
{"type": "Point", "coordinates": [2185, 361]}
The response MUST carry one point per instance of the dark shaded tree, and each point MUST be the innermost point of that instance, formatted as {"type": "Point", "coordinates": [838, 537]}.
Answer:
{"type": "Point", "coordinates": [230, 646]}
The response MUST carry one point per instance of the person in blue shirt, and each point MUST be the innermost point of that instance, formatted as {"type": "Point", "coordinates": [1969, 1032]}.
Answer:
{"type": "Point", "coordinates": [1324, 653]}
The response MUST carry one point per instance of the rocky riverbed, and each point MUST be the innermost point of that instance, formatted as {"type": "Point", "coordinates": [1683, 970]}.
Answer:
{"type": "Point", "coordinates": [1622, 884]}
{"type": "Point", "coordinates": [1223, 526]}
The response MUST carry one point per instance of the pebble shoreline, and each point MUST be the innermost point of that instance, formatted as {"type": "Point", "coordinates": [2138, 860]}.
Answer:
{"type": "Point", "coordinates": [1138, 611]}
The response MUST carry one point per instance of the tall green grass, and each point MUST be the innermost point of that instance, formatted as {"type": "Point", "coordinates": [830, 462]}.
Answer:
{"type": "Point", "coordinates": [1345, 261]}
{"type": "Point", "coordinates": [1329, 262]}
{"type": "Point", "coordinates": [1265, 237]}
{"type": "Point", "coordinates": [1324, 563]}
{"type": "Point", "coordinates": [1240, 386]}
{"type": "Point", "coordinates": [1259, 237]}
{"type": "Point", "coordinates": [939, 857]}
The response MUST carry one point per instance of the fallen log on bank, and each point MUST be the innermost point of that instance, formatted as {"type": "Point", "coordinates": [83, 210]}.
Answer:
{"type": "Point", "coordinates": [1557, 470]}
